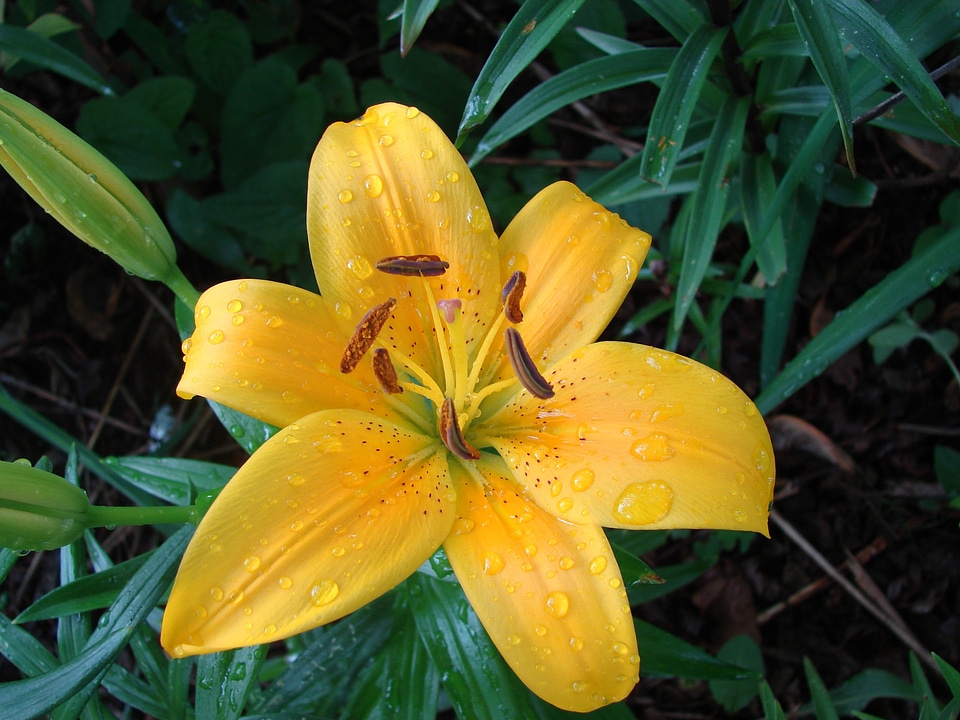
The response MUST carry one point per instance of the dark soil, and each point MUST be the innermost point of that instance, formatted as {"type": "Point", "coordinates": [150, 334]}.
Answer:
{"type": "Point", "coordinates": [95, 351]}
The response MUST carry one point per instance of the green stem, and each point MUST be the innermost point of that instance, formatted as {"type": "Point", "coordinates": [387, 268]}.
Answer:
{"type": "Point", "coordinates": [182, 288]}
{"type": "Point", "coordinates": [106, 516]}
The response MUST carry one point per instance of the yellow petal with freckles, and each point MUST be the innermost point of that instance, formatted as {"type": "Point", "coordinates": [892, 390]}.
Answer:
{"type": "Point", "coordinates": [388, 184]}
{"type": "Point", "coordinates": [549, 593]}
{"type": "Point", "coordinates": [272, 351]}
{"type": "Point", "coordinates": [326, 516]}
{"type": "Point", "coordinates": [637, 437]}
{"type": "Point", "coordinates": [580, 260]}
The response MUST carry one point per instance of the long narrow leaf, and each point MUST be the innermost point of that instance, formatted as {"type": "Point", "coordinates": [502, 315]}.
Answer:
{"type": "Point", "coordinates": [666, 654]}
{"type": "Point", "coordinates": [415, 14]}
{"type": "Point", "coordinates": [589, 78]}
{"type": "Point", "coordinates": [820, 35]}
{"type": "Point", "coordinates": [678, 17]}
{"type": "Point", "coordinates": [879, 43]}
{"type": "Point", "coordinates": [709, 202]}
{"type": "Point", "coordinates": [901, 288]}
{"type": "Point", "coordinates": [47, 54]}
{"type": "Point", "coordinates": [677, 100]}
{"type": "Point", "coordinates": [757, 186]}
{"type": "Point", "coordinates": [225, 680]}
{"type": "Point", "coordinates": [532, 28]}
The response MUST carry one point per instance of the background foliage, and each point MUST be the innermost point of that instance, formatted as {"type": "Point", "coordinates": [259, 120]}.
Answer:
{"type": "Point", "coordinates": [732, 131]}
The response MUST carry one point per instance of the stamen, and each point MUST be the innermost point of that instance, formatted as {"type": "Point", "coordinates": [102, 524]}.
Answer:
{"type": "Point", "coordinates": [511, 294]}
{"type": "Point", "coordinates": [413, 265]}
{"type": "Point", "coordinates": [366, 334]}
{"type": "Point", "coordinates": [385, 372]}
{"type": "Point", "coordinates": [523, 366]}
{"type": "Point", "coordinates": [452, 436]}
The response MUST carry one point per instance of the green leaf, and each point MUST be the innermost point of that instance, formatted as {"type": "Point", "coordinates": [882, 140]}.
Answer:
{"type": "Point", "coordinates": [676, 102]}
{"type": "Point", "coordinates": [589, 78]}
{"type": "Point", "coordinates": [249, 432]}
{"type": "Point", "coordinates": [669, 578]}
{"type": "Point", "coordinates": [664, 654]}
{"type": "Point", "coordinates": [134, 692]}
{"type": "Point", "coordinates": [757, 186]}
{"type": "Point", "coordinates": [177, 481]}
{"type": "Point", "coordinates": [225, 681]}
{"type": "Point", "coordinates": [131, 137]}
{"type": "Point", "coordinates": [709, 202]}
{"type": "Point", "coordinates": [476, 678]}
{"type": "Point", "coordinates": [680, 18]}
{"type": "Point", "coordinates": [188, 220]}
{"type": "Point", "coordinates": [822, 705]}
{"type": "Point", "coordinates": [623, 185]}
{"type": "Point", "coordinates": [824, 44]}
{"type": "Point", "coordinates": [847, 191]}
{"type": "Point", "coordinates": [268, 118]}
{"type": "Point", "coordinates": [855, 693]}
{"type": "Point", "coordinates": [735, 695]}
{"type": "Point", "coordinates": [633, 569]}
{"type": "Point", "coordinates": [530, 31]}
{"type": "Point", "coordinates": [219, 50]}
{"type": "Point", "coordinates": [46, 54]}
{"type": "Point", "coordinates": [879, 43]}
{"type": "Point", "coordinates": [946, 468]}
{"type": "Point", "coordinates": [415, 15]}
{"type": "Point", "coordinates": [781, 40]}
{"type": "Point", "coordinates": [167, 98]}
{"type": "Point", "coordinates": [950, 674]}
{"type": "Point", "coordinates": [923, 272]}
{"type": "Point", "coordinates": [24, 651]}
{"type": "Point", "coordinates": [771, 708]}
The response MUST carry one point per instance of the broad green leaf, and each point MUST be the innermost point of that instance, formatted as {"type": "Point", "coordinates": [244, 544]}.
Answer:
{"type": "Point", "coordinates": [167, 98]}
{"type": "Point", "coordinates": [757, 186]}
{"type": "Point", "coordinates": [824, 44]}
{"type": "Point", "coordinates": [879, 43]}
{"type": "Point", "coordinates": [734, 695]}
{"type": "Point", "coordinates": [855, 693]}
{"type": "Point", "coordinates": [225, 681]}
{"type": "Point", "coordinates": [187, 219]}
{"type": "Point", "coordinates": [634, 570]}
{"type": "Point", "coordinates": [530, 31]}
{"type": "Point", "coordinates": [680, 18]}
{"type": "Point", "coordinates": [822, 705]}
{"type": "Point", "coordinates": [676, 102]}
{"type": "Point", "coordinates": [664, 654]}
{"type": "Point", "coordinates": [670, 578]}
{"type": "Point", "coordinates": [922, 273]}
{"type": "Point", "coordinates": [249, 432]}
{"type": "Point", "coordinates": [46, 54]}
{"type": "Point", "coordinates": [589, 78]}
{"type": "Point", "coordinates": [476, 678]}
{"type": "Point", "coordinates": [847, 191]}
{"type": "Point", "coordinates": [174, 480]}
{"type": "Point", "coordinates": [708, 202]}
{"type": "Point", "coordinates": [219, 50]}
{"type": "Point", "coordinates": [415, 15]}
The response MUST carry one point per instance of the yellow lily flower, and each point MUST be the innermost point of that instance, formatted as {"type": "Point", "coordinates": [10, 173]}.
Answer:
{"type": "Point", "coordinates": [442, 391]}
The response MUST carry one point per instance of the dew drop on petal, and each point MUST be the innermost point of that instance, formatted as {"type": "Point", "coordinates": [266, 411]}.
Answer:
{"type": "Point", "coordinates": [324, 592]}
{"type": "Point", "coordinates": [653, 447]}
{"type": "Point", "coordinates": [564, 505]}
{"type": "Point", "coordinates": [386, 140]}
{"type": "Point", "coordinates": [598, 565]}
{"type": "Point", "coordinates": [216, 593]}
{"type": "Point", "coordinates": [373, 186]}
{"type": "Point", "coordinates": [513, 640]}
{"type": "Point", "coordinates": [433, 196]}
{"type": "Point", "coordinates": [295, 479]}
{"type": "Point", "coordinates": [216, 337]}
{"type": "Point", "coordinates": [285, 582]}
{"type": "Point", "coordinates": [582, 479]}
{"type": "Point", "coordinates": [426, 154]}
{"type": "Point", "coordinates": [345, 196]}
{"type": "Point", "coordinates": [251, 564]}
{"type": "Point", "coordinates": [453, 177]}
{"type": "Point", "coordinates": [492, 563]}
{"type": "Point", "coordinates": [237, 319]}
{"type": "Point", "coordinates": [360, 267]}
{"type": "Point", "coordinates": [566, 563]}
{"type": "Point", "coordinates": [576, 644]}
{"type": "Point", "coordinates": [643, 503]}
{"type": "Point", "coordinates": [234, 306]}
{"type": "Point", "coordinates": [412, 112]}
{"type": "Point", "coordinates": [557, 603]}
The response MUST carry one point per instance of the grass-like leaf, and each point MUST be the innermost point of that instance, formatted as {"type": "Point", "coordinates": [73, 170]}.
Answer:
{"type": "Point", "coordinates": [904, 286]}
{"type": "Point", "coordinates": [680, 18]}
{"type": "Point", "coordinates": [174, 480]}
{"type": "Point", "coordinates": [536, 23]}
{"type": "Point", "coordinates": [822, 705]}
{"type": "Point", "coordinates": [757, 186]}
{"type": "Point", "coordinates": [676, 103]}
{"type": "Point", "coordinates": [414, 17]}
{"type": "Point", "coordinates": [47, 54]}
{"type": "Point", "coordinates": [225, 680]}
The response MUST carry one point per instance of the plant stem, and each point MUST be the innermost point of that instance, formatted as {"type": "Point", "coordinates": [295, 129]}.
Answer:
{"type": "Point", "coordinates": [105, 516]}
{"type": "Point", "coordinates": [182, 288]}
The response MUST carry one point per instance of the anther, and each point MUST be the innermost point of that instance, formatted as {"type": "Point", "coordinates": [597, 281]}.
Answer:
{"type": "Point", "coordinates": [523, 366]}
{"type": "Point", "coordinates": [452, 436]}
{"type": "Point", "coordinates": [413, 265]}
{"type": "Point", "coordinates": [366, 334]}
{"type": "Point", "coordinates": [511, 294]}
{"type": "Point", "coordinates": [385, 372]}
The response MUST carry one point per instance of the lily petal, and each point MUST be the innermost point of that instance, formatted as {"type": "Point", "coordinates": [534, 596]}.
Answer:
{"type": "Point", "coordinates": [549, 593]}
{"type": "Point", "coordinates": [636, 437]}
{"type": "Point", "coordinates": [271, 351]}
{"type": "Point", "coordinates": [390, 184]}
{"type": "Point", "coordinates": [327, 515]}
{"type": "Point", "coordinates": [580, 260]}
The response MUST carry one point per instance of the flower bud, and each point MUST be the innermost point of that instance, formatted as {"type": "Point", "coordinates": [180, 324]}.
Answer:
{"type": "Point", "coordinates": [39, 510]}
{"type": "Point", "coordinates": [83, 190]}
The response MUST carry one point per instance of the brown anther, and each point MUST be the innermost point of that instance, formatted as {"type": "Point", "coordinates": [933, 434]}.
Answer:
{"type": "Point", "coordinates": [511, 294]}
{"type": "Point", "coordinates": [523, 366]}
{"type": "Point", "coordinates": [451, 434]}
{"type": "Point", "coordinates": [385, 372]}
{"type": "Point", "coordinates": [366, 334]}
{"type": "Point", "coordinates": [413, 265]}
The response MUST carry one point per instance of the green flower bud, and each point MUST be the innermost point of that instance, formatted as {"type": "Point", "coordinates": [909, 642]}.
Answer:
{"type": "Point", "coordinates": [39, 510]}
{"type": "Point", "coordinates": [83, 190]}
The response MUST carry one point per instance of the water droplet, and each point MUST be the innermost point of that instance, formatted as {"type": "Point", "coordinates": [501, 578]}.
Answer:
{"type": "Point", "coordinates": [373, 186]}
{"type": "Point", "coordinates": [186, 345]}
{"type": "Point", "coordinates": [285, 582]}
{"type": "Point", "coordinates": [582, 479]}
{"type": "Point", "coordinates": [360, 267]}
{"type": "Point", "coordinates": [566, 562]}
{"type": "Point", "coordinates": [237, 431]}
{"type": "Point", "coordinates": [619, 648]}
{"type": "Point", "coordinates": [762, 460]}
{"type": "Point", "coordinates": [216, 337]}
{"type": "Point", "coordinates": [557, 603]}
{"type": "Point", "coordinates": [492, 563]}
{"type": "Point", "coordinates": [477, 219]}
{"type": "Point", "coordinates": [251, 564]}
{"type": "Point", "coordinates": [324, 592]}
{"type": "Point", "coordinates": [352, 153]}
{"type": "Point", "coordinates": [295, 479]}
{"type": "Point", "coordinates": [426, 154]}
{"type": "Point", "coordinates": [602, 280]}
{"type": "Point", "coordinates": [564, 505]}
{"type": "Point", "coordinates": [235, 597]}
{"type": "Point", "coordinates": [453, 177]}
{"type": "Point", "coordinates": [540, 630]}
{"type": "Point", "coordinates": [288, 397]}
{"type": "Point", "coordinates": [643, 503]}
{"type": "Point", "coordinates": [338, 551]}
{"type": "Point", "coordinates": [237, 320]}
{"type": "Point", "coordinates": [654, 447]}
{"type": "Point", "coordinates": [200, 612]}
{"type": "Point", "coordinates": [666, 412]}
{"type": "Point", "coordinates": [386, 140]}
{"type": "Point", "coordinates": [433, 196]}
{"type": "Point", "coordinates": [645, 391]}
{"type": "Point", "coordinates": [463, 526]}
{"type": "Point", "coordinates": [412, 112]}
{"type": "Point", "coordinates": [343, 310]}
{"type": "Point", "coordinates": [576, 644]}
{"type": "Point", "coordinates": [513, 640]}
{"type": "Point", "coordinates": [345, 196]}
{"type": "Point", "coordinates": [598, 565]}
{"type": "Point", "coordinates": [274, 321]}
{"type": "Point", "coordinates": [234, 306]}
{"type": "Point", "coordinates": [216, 593]}
{"type": "Point", "coordinates": [556, 487]}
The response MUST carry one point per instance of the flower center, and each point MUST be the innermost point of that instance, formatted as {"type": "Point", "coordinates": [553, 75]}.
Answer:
{"type": "Point", "coordinates": [457, 396]}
